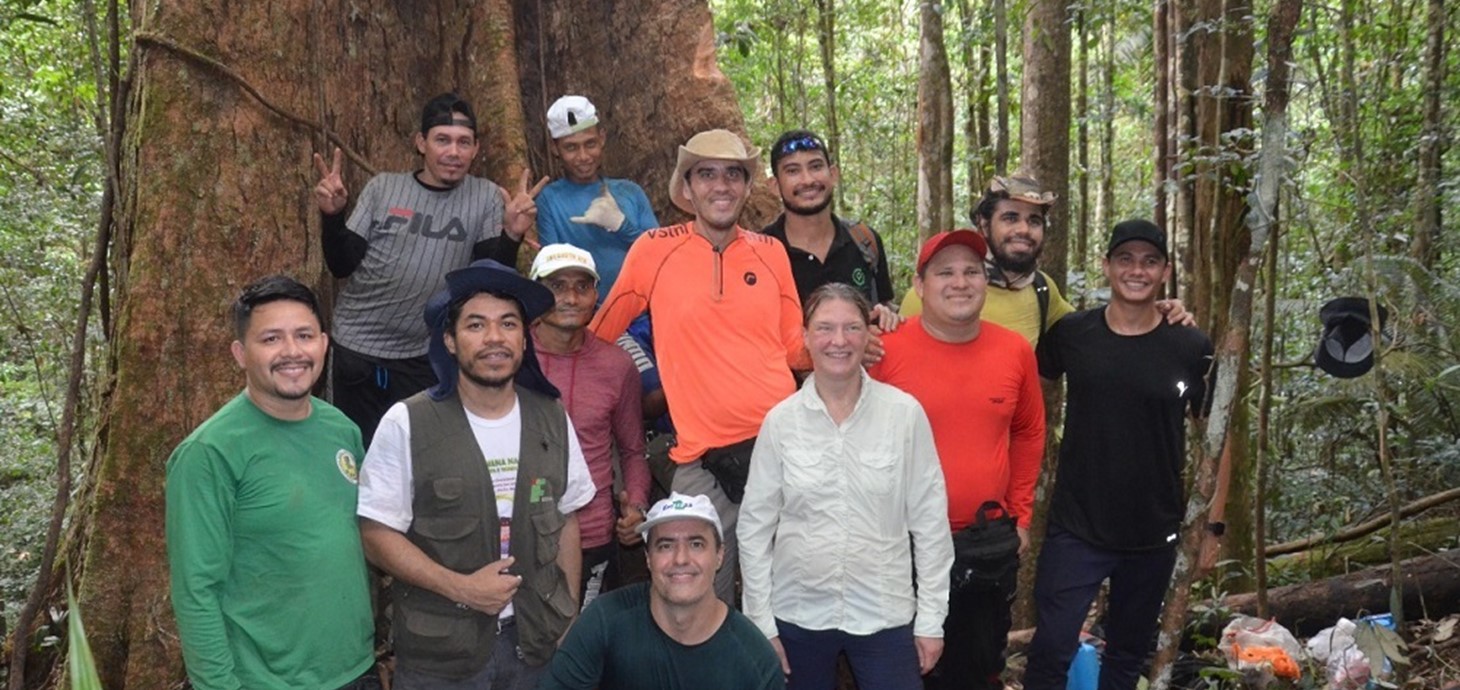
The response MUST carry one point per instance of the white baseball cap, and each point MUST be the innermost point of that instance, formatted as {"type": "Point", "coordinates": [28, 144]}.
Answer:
{"type": "Point", "coordinates": [680, 507]}
{"type": "Point", "coordinates": [570, 115]}
{"type": "Point", "coordinates": [556, 257]}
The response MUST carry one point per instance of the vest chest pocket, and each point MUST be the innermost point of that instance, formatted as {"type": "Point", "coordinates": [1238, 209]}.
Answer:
{"type": "Point", "coordinates": [547, 524]}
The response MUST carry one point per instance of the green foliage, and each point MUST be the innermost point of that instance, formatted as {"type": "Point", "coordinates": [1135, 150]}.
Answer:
{"type": "Point", "coordinates": [50, 192]}
{"type": "Point", "coordinates": [79, 663]}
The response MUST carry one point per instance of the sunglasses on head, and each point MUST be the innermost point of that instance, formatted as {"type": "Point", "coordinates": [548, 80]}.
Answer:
{"type": "Point", "coordinates": [806, 143]}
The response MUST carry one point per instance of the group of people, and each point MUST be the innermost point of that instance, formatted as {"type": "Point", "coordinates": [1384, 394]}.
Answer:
{"type": "Point", "coordinates": [863, 472]}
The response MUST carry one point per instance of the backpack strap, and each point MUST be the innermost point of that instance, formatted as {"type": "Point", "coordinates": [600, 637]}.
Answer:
{"type": "Point", "coordinates": [866, 241]}
{"type": "Point", "coordinates": [1041, 293]}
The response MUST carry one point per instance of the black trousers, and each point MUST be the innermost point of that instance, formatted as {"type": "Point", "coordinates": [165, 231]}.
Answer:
{"type": "Point", "coordinates": [976, 629]}
{"type": "Point", "coordinates": [365, 387]}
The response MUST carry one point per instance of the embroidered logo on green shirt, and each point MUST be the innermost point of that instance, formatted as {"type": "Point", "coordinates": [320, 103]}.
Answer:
{"type": "Point", "coordinates": [345, 460]}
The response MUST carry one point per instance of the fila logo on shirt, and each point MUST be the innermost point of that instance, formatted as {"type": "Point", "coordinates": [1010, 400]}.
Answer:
{"type": "Point", "coordinates": [423, 224]}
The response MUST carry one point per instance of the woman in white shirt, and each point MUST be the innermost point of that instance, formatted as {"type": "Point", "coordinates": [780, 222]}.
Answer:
{"type": "Point", "coordinates": [843, 472]}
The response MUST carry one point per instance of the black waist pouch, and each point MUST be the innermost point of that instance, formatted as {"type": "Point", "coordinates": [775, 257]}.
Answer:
{"type": "Point", "coordinates": [731, 467]}
{"type": "Point", "coordinates": [988, 548]}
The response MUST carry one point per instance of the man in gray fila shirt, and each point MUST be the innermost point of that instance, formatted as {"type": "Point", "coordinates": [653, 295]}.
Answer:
{"type": "Point", "coordinates": [406, 232]}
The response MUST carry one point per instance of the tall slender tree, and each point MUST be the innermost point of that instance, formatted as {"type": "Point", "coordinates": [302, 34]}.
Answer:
{"type": "Point", "coordinates": [935, 124]}
{"type": "Point", "coordinates": [1231, 354]}
{"type": "Point", "coordinates": [1432, 142]}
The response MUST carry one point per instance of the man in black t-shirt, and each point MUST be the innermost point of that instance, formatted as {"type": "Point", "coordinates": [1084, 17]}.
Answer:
{"type": "Point", "coordinates": [824, 248]}
{"type": "Point", "coordinates": [1117, 505]}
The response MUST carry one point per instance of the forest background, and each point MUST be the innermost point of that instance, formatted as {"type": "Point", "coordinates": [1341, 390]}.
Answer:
{"type": "Point", "coordinates": [1159, 114]}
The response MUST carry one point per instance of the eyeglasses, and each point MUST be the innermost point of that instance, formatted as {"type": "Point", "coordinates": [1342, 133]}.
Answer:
{"type": "Point", "coordinates": [563, 287]}
{"type": "Point", "coordinates": [806, 143]}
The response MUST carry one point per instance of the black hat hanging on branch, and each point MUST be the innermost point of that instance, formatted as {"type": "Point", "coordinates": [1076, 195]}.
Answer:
{"type": "Point", "coordinates": [1346, 349]}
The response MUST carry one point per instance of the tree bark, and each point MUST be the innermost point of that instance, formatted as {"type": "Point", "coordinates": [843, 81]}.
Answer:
{"type": "Point", "coordinates": [1165, 71]}
{"type": "Point", "coordinates": [1432, 143]}
{"type": "Point", "coordinates": [1081, 227]}
{"type": "Point", "coordinates": [1001, 76]}
{"type": "Point", "coordinates": [1044, 125]}
{"type": "Point", "coordinates": [1231, 354]}
{"type": "Point", "coordinates": [1044, 143]}
{"type": "Point", "coordinates": [826, 36]}
{"type": "Point", "coordinates": [935, 125]}
{"type": "Point", "coordinates": [215, 191]}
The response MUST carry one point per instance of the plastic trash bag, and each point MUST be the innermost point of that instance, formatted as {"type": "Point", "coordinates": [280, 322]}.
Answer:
{"type": "Point", "coordinates": [1255, 644]}
{"type": "Point", "coordinates": [1335, 648]}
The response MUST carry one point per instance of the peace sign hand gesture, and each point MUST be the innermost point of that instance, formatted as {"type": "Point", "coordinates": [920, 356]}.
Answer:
{"type": "Point", "coordinates": [330, 193]}
{"type": "Point", "coordinates": [521, 209]}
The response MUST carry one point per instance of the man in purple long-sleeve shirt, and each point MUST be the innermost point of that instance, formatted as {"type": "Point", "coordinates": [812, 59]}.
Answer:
{"type": "Point", "coordinates": [601, 390]}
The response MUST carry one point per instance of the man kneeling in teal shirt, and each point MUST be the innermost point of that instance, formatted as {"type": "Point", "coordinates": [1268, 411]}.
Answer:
{"type": "Point", "coordinates": [688, 639]}
{"type": "Point", "coordinates": [268, 573]}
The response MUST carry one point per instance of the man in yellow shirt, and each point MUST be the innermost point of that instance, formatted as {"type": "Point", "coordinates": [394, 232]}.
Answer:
{"type": "Point", "coordinates": [1012, 215]}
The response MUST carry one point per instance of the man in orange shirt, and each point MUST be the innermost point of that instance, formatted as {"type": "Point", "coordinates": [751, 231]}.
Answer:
{"type": "Point", "coordinates": [979, 385]}
{"type": "Point", "coordinates": [727, 324]}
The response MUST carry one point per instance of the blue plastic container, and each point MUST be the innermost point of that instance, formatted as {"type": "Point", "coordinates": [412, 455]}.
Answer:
{"type": "Point", "coordinates": [1085, 669]}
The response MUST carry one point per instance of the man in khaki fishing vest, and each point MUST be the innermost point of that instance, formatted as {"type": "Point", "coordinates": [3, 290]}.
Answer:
{"type": "Point", "coordinates": [484, 589]}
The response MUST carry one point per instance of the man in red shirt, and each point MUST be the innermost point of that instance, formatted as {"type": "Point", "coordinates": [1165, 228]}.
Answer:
{"type": "Point", "coordinates": [727, 324]}
{"type": "Point", "coordinates": [600, 387]}
{"type": "Point", "coordinates": [979, 385]}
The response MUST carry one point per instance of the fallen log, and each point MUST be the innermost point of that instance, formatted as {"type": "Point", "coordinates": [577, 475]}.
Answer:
{"type": "Point", "coordinates": [1431, 590]}
{"type": "Point", "coordinates": [1364, 528]}
{"type": "Point", "coordinates": [1416, 538]}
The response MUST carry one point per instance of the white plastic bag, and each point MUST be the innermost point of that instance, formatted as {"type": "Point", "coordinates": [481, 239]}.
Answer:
{"type": "Point", "coordinates": [1254, 643]}
{"type": "Point", "coordinates": [1347, 667]}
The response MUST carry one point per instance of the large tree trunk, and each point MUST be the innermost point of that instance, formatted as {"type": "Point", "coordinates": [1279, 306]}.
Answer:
{"type": "Point", "coordinates": [215, 191]}
{"type": "Point", "coordinates": [1044, 140]}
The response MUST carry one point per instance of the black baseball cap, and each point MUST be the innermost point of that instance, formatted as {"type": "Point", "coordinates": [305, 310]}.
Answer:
{"type": "Point", "coordinates": [1136, 229]}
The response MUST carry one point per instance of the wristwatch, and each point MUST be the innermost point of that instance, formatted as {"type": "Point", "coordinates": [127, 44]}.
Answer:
{"type": "Point", "coordinates": [1217, 528]}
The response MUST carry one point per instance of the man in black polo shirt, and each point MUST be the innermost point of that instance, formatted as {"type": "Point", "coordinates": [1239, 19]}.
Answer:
{"type": "Point", "coordinates": [1117, 508]}
{"type": "Point", "coordinates": [824, 248]}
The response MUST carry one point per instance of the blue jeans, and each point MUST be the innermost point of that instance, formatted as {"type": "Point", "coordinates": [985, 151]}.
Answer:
{"type": "Point", "coordinates": [1068, 578]}
{"type": "Point", "coordinates": [886, 659]}
{"type": "Point", "coordinates": [504, 671]}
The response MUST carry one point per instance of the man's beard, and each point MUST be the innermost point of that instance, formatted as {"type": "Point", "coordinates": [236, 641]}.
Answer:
{"type": "Point", "coordinates": [487, 381]}
{"type": "Point", "coordinates": [809, 210]}
{"type": "Point", "coordinates": [1012, 266]}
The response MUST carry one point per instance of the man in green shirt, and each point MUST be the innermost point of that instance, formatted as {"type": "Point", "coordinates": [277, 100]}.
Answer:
{"type": "Point", "coordinates": [671, 633]}
{"type": "Point", "coordinates": [268, 574]}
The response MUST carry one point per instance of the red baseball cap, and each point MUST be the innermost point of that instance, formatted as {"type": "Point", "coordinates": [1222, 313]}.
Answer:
{"type": "Point", "coordinates": [962, 236]}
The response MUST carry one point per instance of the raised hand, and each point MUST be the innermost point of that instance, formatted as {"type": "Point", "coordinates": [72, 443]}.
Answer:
{"type": "Point", "coordinates": [521, 210]}
{"type": "Point", "coordinates": [603, 212]}
{"type": "Point", "coordinates": [330, 193]}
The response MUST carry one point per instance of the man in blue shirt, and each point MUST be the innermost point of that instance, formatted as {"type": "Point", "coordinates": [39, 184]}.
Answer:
{"type": "Point", "coordinates": [599, 214]}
